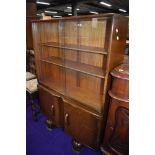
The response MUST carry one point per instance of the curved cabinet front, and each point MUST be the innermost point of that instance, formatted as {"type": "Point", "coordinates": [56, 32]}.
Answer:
{"type": "Point", "coordinates": [116, 136]}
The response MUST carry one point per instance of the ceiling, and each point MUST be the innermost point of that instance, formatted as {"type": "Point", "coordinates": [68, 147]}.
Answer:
{"type": "Point", "coordinates": [84, 6]}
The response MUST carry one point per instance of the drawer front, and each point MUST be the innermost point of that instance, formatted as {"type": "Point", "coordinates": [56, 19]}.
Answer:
{"type": "Point", "coordinates": [51, 106]}
{"type": "Point", "coordinates": [82, 125]}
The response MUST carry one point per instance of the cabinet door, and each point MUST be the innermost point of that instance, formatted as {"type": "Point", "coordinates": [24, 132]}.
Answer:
{"type": "Point", "coordinates": [51, 106]}
{"type": "Point", "coordinates": [117, 130]}
{"type": "Point", "coordinates": [82, 125]}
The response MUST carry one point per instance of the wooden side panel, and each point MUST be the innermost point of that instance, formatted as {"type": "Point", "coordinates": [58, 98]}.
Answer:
{"type": "Point", "coordinates": [82, 125]}
{"type": "Point", "coordinates": [116, 42]}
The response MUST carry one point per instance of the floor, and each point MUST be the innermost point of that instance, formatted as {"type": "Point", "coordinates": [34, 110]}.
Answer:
{"type": "Point", "coordinates": [40, 141]}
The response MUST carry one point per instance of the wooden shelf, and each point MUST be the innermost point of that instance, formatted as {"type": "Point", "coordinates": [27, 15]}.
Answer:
{"type": "Point", "coordinates": [89, 49]}
{"type": "Point", "coordinates": [57, 86]}
{"type": "Point", "coordinates": [88, 98]}
{"type": "Point", "coordinates": [80, 67]}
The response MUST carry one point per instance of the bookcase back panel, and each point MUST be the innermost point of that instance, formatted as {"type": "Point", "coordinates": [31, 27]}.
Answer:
{"type": "Point", "coordinates": [84, 81]}
{"type": "Point", "coordinates": [50, 32]}
{"type": "Point", "coordinates": [92, 59]}
{"type": "Point", "coordinates": [70, 32]}
{"type": "Point", "coordinates": [71, 78]}
{"type": "Point", "coordinates": [71, 55]}
{"type": "Point", "coordinates": [51, 51]}
{"type": "Point", "coordinates": [92, 32]}
{"type": "Point", "coordinates": [53, 76]}
{"type": "Point", "coordinates": [90, 83]}
{"type": "Point", "coordinates": [84, 88]}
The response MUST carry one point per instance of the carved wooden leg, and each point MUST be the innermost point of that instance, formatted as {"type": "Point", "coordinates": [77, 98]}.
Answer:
{"type": "Point", "coordinates": [77, 146]}
{"type": "Point", "coordinates": [33, 107]}
{"type": "Point", "coordinates": [49, 125]}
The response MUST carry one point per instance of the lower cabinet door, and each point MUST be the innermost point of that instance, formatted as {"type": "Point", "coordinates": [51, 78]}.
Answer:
{"type": "Point", "coordinates": [116, 138]}
{"type": "Point", "coordinates": [51, 106]}
{"type": "Point", "coordinates": [82, 125]}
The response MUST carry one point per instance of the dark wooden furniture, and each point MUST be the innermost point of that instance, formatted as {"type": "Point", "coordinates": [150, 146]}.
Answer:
{"type": "Point", "coordinates": [116, 137]}
{"type": "Point", "coordinates": [74, 56]}
{"type": "Point", "coordinates": [30, 62]}
{"type": "Point", "coordinates": [32, 92]}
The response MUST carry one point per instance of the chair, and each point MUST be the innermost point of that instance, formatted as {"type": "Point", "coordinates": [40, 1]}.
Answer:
{"type": "Point", "coordinates": [32, 91]}
{"type": "Point", "coordinates": [30, 76]}
{"type": "Point", "coordinates": [30, 61]}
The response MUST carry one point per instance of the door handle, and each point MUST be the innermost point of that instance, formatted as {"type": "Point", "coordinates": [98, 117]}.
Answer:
{"type": "Point", "coordinates": [52, 109]}
{"type": "Point", "coordinates": [66, 118]}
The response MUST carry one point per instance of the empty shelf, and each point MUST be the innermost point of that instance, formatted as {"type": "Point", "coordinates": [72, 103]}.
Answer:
{"type": "Point", "coordinates": [80, 67]}
{"type": "Point", "coordinates": [83, 48]}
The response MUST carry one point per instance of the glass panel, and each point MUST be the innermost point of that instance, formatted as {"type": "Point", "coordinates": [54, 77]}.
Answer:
{"type": "Point", "coordinates": [70, 33]}
{"type": "Point", "coordinates": [92, 32]}
{"type": "Point", "coordinates": [51, 58]}
{"type": "Point", "coordinates": [84, 88]}
{"type": "Point", "coordinates": [50, 32]}
{"type": "Point", "coordinates": [85, 62]}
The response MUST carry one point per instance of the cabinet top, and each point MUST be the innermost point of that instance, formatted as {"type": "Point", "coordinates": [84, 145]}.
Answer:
{"type": "Point", "coordinates": [121, 71]}
{"type": "Point", "coordinates": [104, 15]}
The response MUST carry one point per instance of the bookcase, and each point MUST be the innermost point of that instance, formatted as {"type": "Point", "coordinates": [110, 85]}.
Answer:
{"type": "Point", "coordinates": [73, 57]}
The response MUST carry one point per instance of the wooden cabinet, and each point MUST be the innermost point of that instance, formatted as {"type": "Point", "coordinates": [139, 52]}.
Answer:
{"type": "Point", "coordinates": [74, 56]}
{"type": "Point", "coordinates": [116, 137]}
{"type": "Point", "coordinates": [50, 104]}
{"type": "Point", "coordinates": [82, 124]}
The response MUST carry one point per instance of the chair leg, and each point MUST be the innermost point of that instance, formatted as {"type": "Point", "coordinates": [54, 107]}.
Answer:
{"type": "Point", "coordinates": [33, 107]}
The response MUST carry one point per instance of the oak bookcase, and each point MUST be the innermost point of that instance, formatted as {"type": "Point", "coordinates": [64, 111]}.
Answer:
{"type": "Point", "coordinates": [73, 57]}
